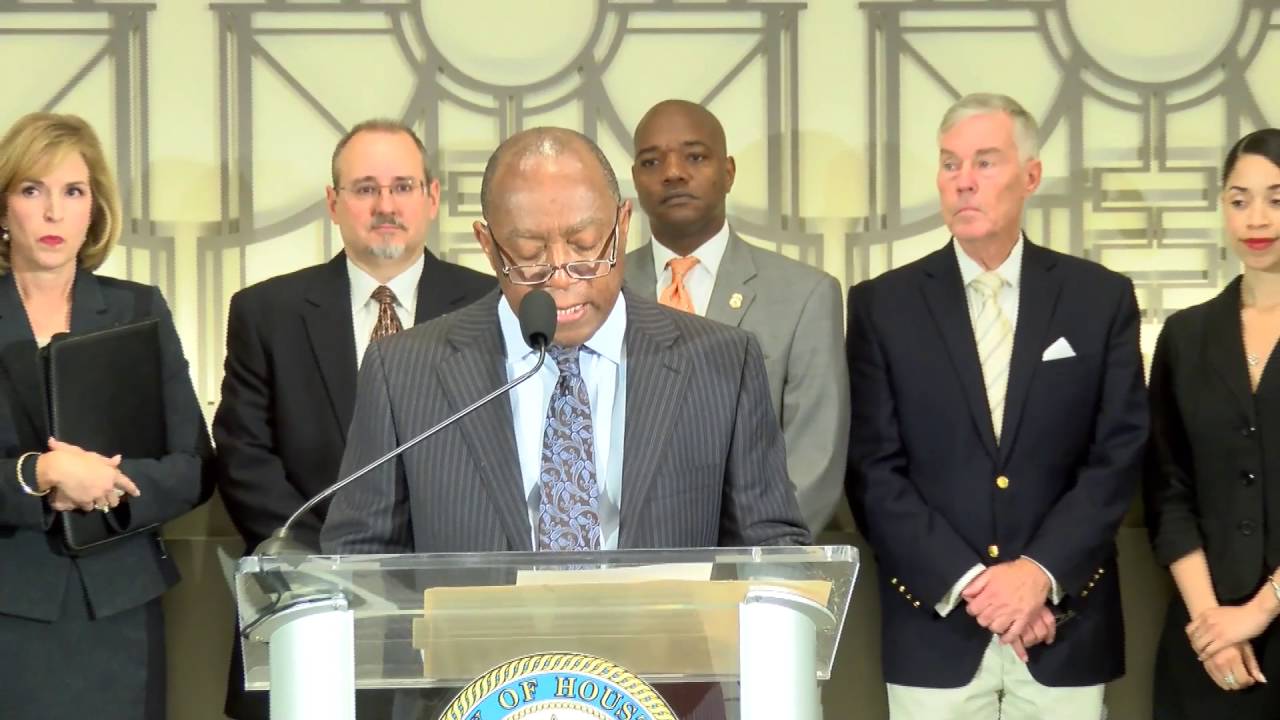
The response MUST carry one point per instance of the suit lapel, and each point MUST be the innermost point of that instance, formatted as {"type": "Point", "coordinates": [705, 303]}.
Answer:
{"type": "Point", "coordinates": [732, 295]}
{"type": "Point", "coordinates": [19, 354]}
{"type": "Point", "coordinates": [944, 294]}
{"type": "Point", "coordinates": [477, 366]}
{"type": "Point", "coordinates": [1224, 346]}
{"type": "Point", "coordinates": [19, 359]}
{"type": "Point", "coordinates": [656, 376]}
{"type": "Point", "coordinates": [327, 316]}
{"type": "Point", "coordinates": [1037, 298]}
{"type": "Point", "coordinates": [436, 295]}
{"type": "Point", "coordinates": [640, 279]}
{"type": "Point", "coordinates": [89, 308]}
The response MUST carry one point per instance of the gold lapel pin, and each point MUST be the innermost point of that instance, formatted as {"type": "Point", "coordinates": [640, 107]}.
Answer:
{"type": "Point", "coordinates": [735, 301]}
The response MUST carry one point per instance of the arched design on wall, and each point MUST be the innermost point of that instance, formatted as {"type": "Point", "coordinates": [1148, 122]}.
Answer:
{"type": "Point", "coordinates": [106, 48]}
{"type": "Point", "coordinates": [1114, 199]}
{"type": "Point", "coordinates": [434, 86]}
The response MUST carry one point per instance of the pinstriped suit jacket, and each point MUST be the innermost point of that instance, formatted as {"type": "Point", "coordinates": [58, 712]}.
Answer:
{"type": "Point", "coordinates": [794, 312]}
{"type": "Point", "coordinates": [704, 463]}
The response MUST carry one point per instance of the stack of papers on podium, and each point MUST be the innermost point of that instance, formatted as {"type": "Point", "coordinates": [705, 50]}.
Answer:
{"type": "Point", "coordinates": [669, 622]}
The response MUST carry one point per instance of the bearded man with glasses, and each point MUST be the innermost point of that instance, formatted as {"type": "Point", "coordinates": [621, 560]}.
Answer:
{"type": "Point", "coordinates": [294, 343]}
{"type": "Point", "coordinates": [674, 443]}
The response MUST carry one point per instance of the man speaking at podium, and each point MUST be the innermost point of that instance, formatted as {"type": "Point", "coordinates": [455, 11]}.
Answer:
{"type": "Point", "coordinates": [670, 411]}
{"type": "Point", "coordinates": [687, 452]}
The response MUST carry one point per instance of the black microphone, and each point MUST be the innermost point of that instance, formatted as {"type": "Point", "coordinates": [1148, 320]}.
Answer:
{"type": "Point", "coordinates": [538, 319]}
{"type": "Point", "coordinates": [537, 324]}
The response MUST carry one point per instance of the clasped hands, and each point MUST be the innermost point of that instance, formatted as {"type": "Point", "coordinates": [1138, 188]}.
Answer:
{"type": "Point", "coordinates": [1220, 638]}
{"type": "Point", "coordinates": [1009, 600]}
{"type": "Point", "coordinates": [82, 480]}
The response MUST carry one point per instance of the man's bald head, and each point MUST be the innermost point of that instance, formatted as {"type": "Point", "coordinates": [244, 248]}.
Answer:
{"type": "Point", "coordinates": [551, 199]}
{"type": "Point", "coordinates": [546, 143]}
{"type": "Point", "coordinates": [684, 112]}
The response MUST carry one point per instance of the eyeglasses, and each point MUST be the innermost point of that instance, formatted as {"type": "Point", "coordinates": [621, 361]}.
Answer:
{"type": "Point", "coordinates": [367, 190]}
{"type": "Point", "coordinates": [539, 273]}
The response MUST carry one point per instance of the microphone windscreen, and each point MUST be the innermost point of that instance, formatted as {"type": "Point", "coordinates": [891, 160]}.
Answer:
{"type": "Point", "coordinates": [538, 318]}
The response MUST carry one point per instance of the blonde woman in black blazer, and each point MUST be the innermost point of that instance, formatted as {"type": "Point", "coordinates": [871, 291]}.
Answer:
{"type": "Point", "coordinates": [1213, 481]}
{"type": "Point", "coordinates": [79, 636]}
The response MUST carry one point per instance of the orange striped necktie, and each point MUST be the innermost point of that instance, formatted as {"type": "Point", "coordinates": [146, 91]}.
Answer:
{"type": "Point", "coordinates": [676, 295]}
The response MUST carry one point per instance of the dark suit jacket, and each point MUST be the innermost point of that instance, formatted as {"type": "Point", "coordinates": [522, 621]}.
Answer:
{"type": "Point", "coordinates": [1213, 461]}
{"type": "Point", "coordinates": [290, 386]}
{"type": "Point", "coordinates": [924, 460]}
{"type": "Point", "coordinates": [34, 568]}
{"type": "Point", "coordinates": [287, 398]}
{"type": "Point", "coordinates": [704, 464]}
{"type": "Point", "coordinates": [794, 312]}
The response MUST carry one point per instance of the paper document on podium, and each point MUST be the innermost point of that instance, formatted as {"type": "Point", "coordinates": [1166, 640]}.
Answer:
{"type": "Point", "coordinates": [630, 574]}
{"type": "Point", "coordinates": [665, 622]}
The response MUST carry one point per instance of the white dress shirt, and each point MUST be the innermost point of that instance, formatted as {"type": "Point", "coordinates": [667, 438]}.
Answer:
{"type": "Point", "coordinates": [604, 370]}
{"type": "Point", "coordinates": [364, 309]}
{"type": "Point", "coordinates": [701, 280]}
{"type": "Point", "coordinates": [1011, 272]}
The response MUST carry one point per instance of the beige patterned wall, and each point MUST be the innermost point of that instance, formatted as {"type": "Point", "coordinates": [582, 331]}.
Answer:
{"type": "Point", "coordinates": [222, 117]}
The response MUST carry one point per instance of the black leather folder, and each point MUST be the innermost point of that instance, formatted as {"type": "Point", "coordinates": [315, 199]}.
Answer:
{"type": "Point", "coordinates": [106, 395]}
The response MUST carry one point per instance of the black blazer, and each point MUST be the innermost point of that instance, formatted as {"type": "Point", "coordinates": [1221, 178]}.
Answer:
{"type": "Point", "coordinates": [34, 568]}
{"type": "Point", "coordinates": [290, 386]}
{"type": "Point", "coordinates": [925, 468]}
{"type": "Point", "coordinates": [1212, 442]}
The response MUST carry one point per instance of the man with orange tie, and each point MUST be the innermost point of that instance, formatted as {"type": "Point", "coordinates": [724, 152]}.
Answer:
{"type": "Point", "coordinates": [697, 263]}
{"type": "Point", "coordinates": [294, 343]}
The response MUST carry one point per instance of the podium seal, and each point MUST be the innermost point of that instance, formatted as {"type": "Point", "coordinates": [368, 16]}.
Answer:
{"type": "Point", "coordinates": [562, 686]}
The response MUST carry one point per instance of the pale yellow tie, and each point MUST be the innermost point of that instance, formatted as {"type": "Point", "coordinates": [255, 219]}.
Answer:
{"type": "Point", "coordinates": [994, 334]}
{"type": "Point", "coordinates": [676, 295]}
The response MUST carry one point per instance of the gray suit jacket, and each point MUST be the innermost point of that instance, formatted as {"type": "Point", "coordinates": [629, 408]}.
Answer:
{"type": "Point", "coordinates": [795, 312]}
{"type": "Point", "coordinates": [704, 463]}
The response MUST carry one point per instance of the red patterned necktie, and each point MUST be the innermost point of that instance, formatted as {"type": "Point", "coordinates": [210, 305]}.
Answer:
{"type": "Point", "coordinates": [388, 321]}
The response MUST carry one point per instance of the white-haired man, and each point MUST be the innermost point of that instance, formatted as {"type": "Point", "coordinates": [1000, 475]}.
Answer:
{"type": "Point", "coordinates": [999, 418]}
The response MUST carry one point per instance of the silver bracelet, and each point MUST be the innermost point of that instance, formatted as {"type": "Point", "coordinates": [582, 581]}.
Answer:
{"type": "Point", "coordinates": [22, 481]}
{"type": "Point", "coordinates": [1275, 586]}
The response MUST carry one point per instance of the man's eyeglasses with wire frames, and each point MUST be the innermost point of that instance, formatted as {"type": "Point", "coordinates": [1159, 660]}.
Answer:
{"type": "Point", "coordinates": [539, 273]}
{"type": "Point", "coordinates": [368, 190]}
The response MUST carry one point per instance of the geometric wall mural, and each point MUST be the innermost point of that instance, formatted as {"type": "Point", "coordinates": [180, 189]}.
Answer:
{"type": "Point", "coordinates": [830, 108]}
{"type": "Point", "coordinates": [421, 57]}
{"type": "Point", "coordinates": [83, 58]}
{"type": "Point", "coordinates": [1128, 178]}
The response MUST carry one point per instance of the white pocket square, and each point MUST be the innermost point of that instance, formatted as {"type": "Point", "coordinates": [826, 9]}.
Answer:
{"type": "Point", "coordinates": [1059, 350]}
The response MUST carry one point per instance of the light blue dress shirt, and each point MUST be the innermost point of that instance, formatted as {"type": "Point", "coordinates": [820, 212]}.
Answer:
{"type": "Point", "coordinates": [604, 370]}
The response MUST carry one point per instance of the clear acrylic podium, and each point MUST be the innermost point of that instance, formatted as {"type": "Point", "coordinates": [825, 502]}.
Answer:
{"type": "Point", "coordinates": [317, 627]}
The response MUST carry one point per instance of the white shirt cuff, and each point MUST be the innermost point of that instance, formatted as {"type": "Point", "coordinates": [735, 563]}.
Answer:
{"type": "Point", "coordinates": [1055, 592]}
{"type": "Point", "coordinates": [952, 598]}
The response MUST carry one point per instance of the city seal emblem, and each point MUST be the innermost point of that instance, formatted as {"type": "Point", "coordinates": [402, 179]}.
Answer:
{"type": "Point", "coordinates": [561, 686]}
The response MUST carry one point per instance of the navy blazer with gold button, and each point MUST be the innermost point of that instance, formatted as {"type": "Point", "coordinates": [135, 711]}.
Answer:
{"type": "Point", "coordinates": [935, 494]}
